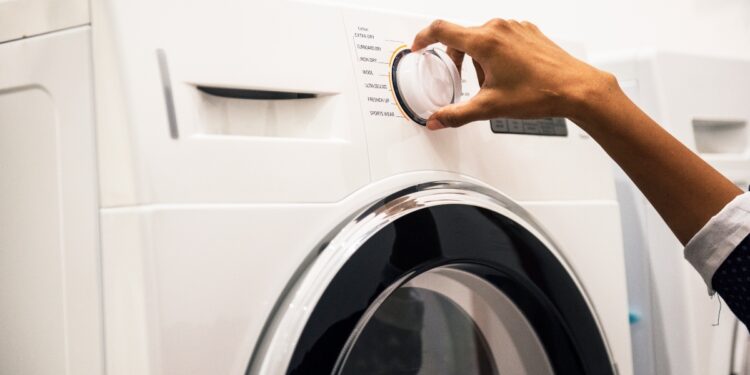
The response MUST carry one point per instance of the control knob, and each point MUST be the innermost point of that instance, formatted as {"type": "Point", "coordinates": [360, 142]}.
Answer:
{"type": "Point", "coordinates": [424, 81]}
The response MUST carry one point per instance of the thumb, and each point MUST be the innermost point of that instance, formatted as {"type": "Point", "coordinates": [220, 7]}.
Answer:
{"type": "Point", "coordinates": [455, 115]}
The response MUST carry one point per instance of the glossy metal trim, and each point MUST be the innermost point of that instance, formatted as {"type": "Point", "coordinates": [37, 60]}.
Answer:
{"type": "Point", "coordinates": [166, 86]}
{"type": "Point", "coordinates": [290, 315]}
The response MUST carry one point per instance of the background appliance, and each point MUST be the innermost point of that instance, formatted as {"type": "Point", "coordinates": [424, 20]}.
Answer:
{"type": "Point", "coordinates": [50, 280]}
{"type": "Point", "coordinates": [703, 101]}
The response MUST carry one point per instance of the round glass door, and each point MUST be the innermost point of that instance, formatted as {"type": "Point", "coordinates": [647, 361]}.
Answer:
{"type": "Point", "coordinates": [439, 279]}
{"type": "Point", "coordinates": [444, 321]}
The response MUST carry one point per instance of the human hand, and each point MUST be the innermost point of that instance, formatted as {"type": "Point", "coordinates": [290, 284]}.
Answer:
{"type": "Point", "coordinates": [522, 73]}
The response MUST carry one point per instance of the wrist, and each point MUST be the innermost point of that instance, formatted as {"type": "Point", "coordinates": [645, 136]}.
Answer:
{"type": "Point", "coordinates": [596, 92]}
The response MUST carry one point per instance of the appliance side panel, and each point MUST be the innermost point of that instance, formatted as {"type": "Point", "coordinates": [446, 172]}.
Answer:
{"type": "Point", "coordinates": [25, 18]}
{"type": "Point", "coordinates": [49, 251]}
{"type": "Point", "coordinates": [589, 237]}
{"type": "Point", "coordinates": [130, 317]}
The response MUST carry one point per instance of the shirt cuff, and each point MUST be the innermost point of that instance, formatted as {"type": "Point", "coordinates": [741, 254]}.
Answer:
{"type": "Point", "coordinates": [708, 248]}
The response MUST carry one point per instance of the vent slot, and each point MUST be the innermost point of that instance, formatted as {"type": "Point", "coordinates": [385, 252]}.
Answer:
{"type": "Point", "coordinates": [720, 136]}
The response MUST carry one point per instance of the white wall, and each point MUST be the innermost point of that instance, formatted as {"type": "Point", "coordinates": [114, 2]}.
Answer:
{"type": "Point", "coordinates": [718, 27]}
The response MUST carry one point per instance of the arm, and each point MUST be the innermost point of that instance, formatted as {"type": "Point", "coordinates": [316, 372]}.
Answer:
{"type": "Point", "coordinates": [523, 74]}
{"type": "Point", "coordinates": [685, 190]}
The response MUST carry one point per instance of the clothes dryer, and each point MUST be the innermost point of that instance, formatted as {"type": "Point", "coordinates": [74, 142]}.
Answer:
{"type": "Point", "coordinates": [50, 282]}
{"type": "Point", "coordinates": [701, 100]}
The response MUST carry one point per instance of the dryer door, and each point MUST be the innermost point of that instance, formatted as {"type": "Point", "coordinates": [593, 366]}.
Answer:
{"type": "Point", "coordinates": [439, 279]}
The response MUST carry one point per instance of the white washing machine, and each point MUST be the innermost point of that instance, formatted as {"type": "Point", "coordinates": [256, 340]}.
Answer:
{"type": "Point", "coordinates": [266, 205]}
{"type": "Point", "coordinates": [703, 101]}
{"type": "Point", "coordinates": [50, 282]}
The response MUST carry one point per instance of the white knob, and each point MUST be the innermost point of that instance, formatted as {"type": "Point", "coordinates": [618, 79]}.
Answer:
{"type": "Point", "coordinates": [424, 81]}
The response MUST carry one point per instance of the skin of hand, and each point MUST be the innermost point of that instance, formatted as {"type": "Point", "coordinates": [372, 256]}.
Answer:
{"type": "Point", "coordinates": [523, 74]}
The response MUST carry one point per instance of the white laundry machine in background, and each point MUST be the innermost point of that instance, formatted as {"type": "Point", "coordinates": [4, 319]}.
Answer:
{"type": "Point", "coordinates": [703, 101]}
{"type": "Point", "coordinates": [50, 281]}
{"type": "Point", "coordinates": [266, 205]}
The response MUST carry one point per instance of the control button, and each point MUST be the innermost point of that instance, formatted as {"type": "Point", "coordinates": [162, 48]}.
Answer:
{"type": "Point", "coordinates": [548, 126]}
{"type": "Point", "coordinates": [531, 127]}
{"type": "Point", "coordinates": [561, 127]}
{"type": "Point", "coordinates": [424, 81]}
{"type": "Point", "coordinates": [552, 126]}
{"type": "Point", "coordinates": [515, 126]}
{"type": "Point", "coordinates": [499, 125]}
{"type": "Point", "coordinates": [547, 121]}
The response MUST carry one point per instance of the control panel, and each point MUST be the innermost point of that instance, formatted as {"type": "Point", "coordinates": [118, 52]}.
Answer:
{"type": "Point", "coordinates": [396, 84]}
{"type": "Point", "coordinates": [554, 126]}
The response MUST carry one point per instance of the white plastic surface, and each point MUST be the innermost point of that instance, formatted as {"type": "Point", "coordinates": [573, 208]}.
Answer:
{"type": "Point", "coordinates": [25, 18]}
{"type": "Point", "coordinates": [395, 145]}
{"type": "Point", "coordinates": [201, 233]}
{"type": "Point", "coordinates": [50, 304]}
{"type": "Point", "coordinates": [193, 285]}
{"type": "Point", "coordinates": [681, 91]}
{"type": "Point", "coordinates": [141, 164]}
{"type": "Point", "coordinates": [228, 150]}
{"type": "Point", "coordinates": [427, 81]}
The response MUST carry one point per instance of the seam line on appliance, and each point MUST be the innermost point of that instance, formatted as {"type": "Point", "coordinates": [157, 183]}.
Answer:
{"type": "Point", "coordinates": [45, 33]}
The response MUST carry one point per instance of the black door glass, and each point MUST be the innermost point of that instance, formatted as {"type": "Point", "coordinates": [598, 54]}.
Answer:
{"type": "Point", "coordinates": [418, 332]}
{"type": "Point", "coordinates": [477, 241]}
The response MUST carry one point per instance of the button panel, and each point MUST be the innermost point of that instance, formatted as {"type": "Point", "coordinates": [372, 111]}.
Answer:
{"type": "Point", "coordinates": [552, 126]}
{"type": "Point", "coordinates": [374, 45]}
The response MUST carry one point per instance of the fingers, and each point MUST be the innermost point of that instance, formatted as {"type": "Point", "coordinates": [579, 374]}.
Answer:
{"type": "Point", "coordinates": [480, 72]}
{"type": "Point", "coordinates": [457, 57]}
{"type": "Point", "coordinates": [455, 115]}
{"type": "Point", "coordinates": [531, 27]}
{"type": "Point", "coordinates": [452, 35]}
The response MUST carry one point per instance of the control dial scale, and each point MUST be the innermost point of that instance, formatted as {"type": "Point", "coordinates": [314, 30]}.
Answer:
{"type": "Point", "coordinates": [423, 82]}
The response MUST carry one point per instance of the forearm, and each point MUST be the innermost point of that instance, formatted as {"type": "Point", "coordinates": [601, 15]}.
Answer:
{"type": "Point", "coordinates": [683, 188]}
{"type": "Point", "coordinates": [523, 74]}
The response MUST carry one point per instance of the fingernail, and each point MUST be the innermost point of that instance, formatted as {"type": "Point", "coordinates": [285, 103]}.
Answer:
{"type": "Point", "coordinates": [434, 124]}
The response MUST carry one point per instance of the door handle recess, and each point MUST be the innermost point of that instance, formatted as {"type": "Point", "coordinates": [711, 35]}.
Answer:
{"type": "Point", "coordinates": [250, 94]}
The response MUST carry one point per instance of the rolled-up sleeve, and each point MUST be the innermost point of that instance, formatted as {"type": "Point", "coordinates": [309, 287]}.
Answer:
{"type": "Point", "coordinates": [708, 249]}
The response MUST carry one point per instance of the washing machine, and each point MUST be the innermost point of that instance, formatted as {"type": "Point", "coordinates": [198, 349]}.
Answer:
{"type": "Point", "coordinates": [221, 187]}
{"type": "Point", "coordinates": [50, 296]}
{"type": "Point", "coordinates": [702, 101]}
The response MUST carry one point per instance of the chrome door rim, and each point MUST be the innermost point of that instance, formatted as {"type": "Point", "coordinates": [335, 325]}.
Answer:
{"type": "Point", "coordinates": [273, 353]}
